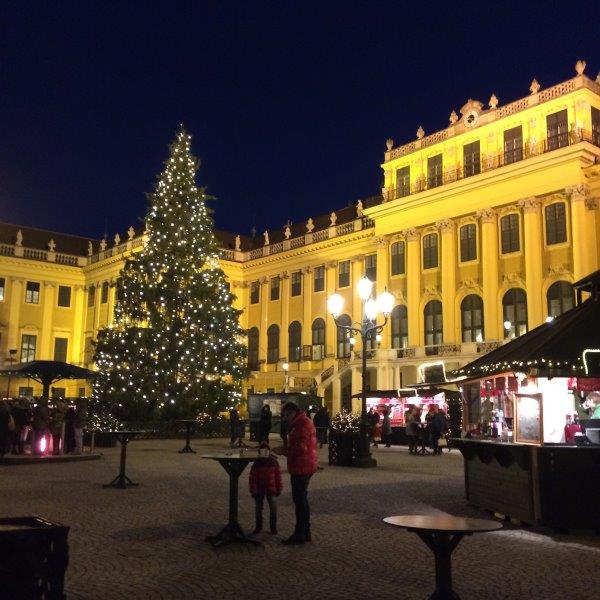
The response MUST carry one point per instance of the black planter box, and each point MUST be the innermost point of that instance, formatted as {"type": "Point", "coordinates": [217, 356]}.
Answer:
{"type": "Point", "coordinates": [343, 448]}
{"type": "Point", "coordinates": [34, 555]}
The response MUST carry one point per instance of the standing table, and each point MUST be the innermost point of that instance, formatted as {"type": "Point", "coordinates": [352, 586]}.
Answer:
{"type": "Point", "coordinates": [234, 463]}
{"type": "Point", "coordinates": [121, 480]}
{"type": "Point", "coordinates": [441, 534]}
{"type": "Point", "coordinates": [189, 424]}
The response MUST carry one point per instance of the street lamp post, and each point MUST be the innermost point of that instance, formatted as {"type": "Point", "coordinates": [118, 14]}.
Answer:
{"type": "Point", "coordinates": [11, 358]}
{"type": "Point", "coordinates": [365, 329]}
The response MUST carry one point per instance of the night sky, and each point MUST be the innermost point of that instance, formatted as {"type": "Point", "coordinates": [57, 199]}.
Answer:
{"type": "Point", "coordinates": [289, 103]}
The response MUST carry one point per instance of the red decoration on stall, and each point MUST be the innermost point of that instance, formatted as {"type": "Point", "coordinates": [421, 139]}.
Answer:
{"type": "Point", "coordinates": [586, 384]}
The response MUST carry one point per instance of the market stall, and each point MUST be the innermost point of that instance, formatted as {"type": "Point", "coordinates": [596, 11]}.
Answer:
{"type": "Point", "coordinates": [398, 402]}
{"type": "Point", "coordinates": [527, 407]}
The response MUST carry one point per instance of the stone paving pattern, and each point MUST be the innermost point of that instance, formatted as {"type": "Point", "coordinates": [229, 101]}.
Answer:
{"type": "Point", "coordinates": [148, 542]}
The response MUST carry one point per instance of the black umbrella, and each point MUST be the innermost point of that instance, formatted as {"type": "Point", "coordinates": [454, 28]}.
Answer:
{"type": "Point", "coordinates": [47, 372]}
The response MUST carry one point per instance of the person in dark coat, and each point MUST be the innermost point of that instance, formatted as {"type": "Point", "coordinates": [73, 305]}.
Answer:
{"type": "Point", "coordinates": [264, 423]}
{"type": "Point", "coordinates": [70, 430]}
{"type": "Point", "coordinates": [322, 421]}
{"type": "Point", "coordinates": [437, 426]}
{"type": "Point", "coordinates": [265, 482]}
{"type": "Point", "coordinates": [5, 428]}
{"type": "Point", "coordinates": [20, 416]}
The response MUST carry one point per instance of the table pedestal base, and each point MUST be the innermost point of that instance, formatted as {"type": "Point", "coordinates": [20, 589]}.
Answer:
{"type": "Point", "coordinates": [187, 449]}
{"type": "Point", "coordinates": [121, 481]}
{"type": "Point", "coordinates": [230, 534]}
{"type": "Point", "coordinates": [442, 545]}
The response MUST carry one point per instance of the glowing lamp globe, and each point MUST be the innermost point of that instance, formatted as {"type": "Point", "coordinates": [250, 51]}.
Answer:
{"type": "Point", "coordinates": [371, 309]}
{"type": "Point", "coordinates": [385, 300]}
{"type": "Point", "coordinates": [507, 325]}
{"type": "Point", "coordinates": [364, 287]}
{"type": "Point", "coordinates": [335, 304]}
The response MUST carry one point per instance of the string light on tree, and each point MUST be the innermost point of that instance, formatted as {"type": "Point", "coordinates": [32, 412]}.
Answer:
{"type": "Point", "coordinates": [176, 345]}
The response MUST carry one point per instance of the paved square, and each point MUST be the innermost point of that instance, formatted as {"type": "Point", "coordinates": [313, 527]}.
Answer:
{"type": "Point", "coordinates": [148, 542]}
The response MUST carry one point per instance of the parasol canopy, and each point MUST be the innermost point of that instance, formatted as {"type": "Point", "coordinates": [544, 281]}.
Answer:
{"type": "Point", "coordinates": [47, 372]}
{"type": "Point", "coordinates": [567, 346]}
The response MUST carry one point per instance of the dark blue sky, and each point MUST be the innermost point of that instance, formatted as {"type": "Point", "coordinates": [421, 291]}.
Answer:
{"type": "Point", "coordinates": [289, 103]}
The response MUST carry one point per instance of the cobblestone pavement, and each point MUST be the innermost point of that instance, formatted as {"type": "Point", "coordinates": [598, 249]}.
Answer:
{"type": "Point", "coordinates": [148, 542]}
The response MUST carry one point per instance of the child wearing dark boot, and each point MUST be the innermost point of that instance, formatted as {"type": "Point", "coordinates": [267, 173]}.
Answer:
{"type": "Point", "coordinates": [265, 482]}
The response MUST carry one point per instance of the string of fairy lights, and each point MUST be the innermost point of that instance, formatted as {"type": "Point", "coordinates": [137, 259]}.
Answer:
{"type": "Point", "coordinates": [176, 335]}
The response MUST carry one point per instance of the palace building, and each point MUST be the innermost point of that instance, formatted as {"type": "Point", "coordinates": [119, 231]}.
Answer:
{"type": "Point", "coordinates": [479, 232]}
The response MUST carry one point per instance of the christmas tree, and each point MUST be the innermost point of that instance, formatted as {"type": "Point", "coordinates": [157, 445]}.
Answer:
{"type": "Point", "coordinates": [176, 346]}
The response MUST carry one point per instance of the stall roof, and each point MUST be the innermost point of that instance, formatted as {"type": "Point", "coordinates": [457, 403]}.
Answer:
{"type": "Point", "coordinates": [567, 346]}
{"type": "Point", "coordinates": [408, 393]}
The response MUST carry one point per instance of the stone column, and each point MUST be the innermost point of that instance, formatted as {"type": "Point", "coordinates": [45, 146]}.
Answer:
{"type": "Point", "coordinates": [264, 318]}
{"type": "Point", "coordinates": [357, 305]}
{"type": "Point", "coordinates": [383, 283]}
{"type": "Point", "coordinates": [490, 257]}
{"type": "Point", "coordinates": [46, 351]}
{"type": "Point", "coordinates": [110, 309]}
{"type": "Point", "coordinates": [14, 311]}
{"type": "Point", "coordinates": [307, 289]}
{"type": "Point", "coordinates": [284, 338]}
{"type": "Point", "coordinates": [76, 350]}
{"type": "Point", "coordinates": [336, 396]}
{"type": "Point", "coordinates": [413, 286]}
{"type": "Point", "coordinates": [448, 234]}
{"type": "Point", "coordinates": [330, 327]}
{"type": "Point", "coordinates": [532, 228]}
{"type": "Point", "coordinates": [583, 231]}
{"type": "Point", "coordinates": [97, 291]}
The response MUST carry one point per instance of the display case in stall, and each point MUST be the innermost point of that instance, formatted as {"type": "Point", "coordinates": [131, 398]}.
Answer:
{"type": "Point", "coordinates": [527, 403]}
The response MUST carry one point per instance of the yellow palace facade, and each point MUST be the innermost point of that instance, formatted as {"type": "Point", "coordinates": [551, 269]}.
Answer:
{"type": "Point", "coordinates": [479, 232]}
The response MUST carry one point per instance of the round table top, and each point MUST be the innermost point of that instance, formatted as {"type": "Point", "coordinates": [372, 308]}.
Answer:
{"type": "Point", "coordinates": [186, 421]}
{"type": "Point", "coordinates": [444, 523]}
{"type": "Point", "coordinates": [248, 457]}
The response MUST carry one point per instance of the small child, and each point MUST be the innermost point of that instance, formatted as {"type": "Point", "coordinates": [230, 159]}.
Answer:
{"type": "Point", "coordinates": [265, 480]}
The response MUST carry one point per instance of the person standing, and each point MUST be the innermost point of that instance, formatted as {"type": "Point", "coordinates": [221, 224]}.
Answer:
{"type": "Point", "coordinates": [437, 426]}
{"type": "Point", "coordinates": [411, 419]}
{"type": "Point", "coordinates": [301, 453]}
{"type": "Point", "coordinates": [79, 424]}
{"type": "Point", "coordinates": [386, 428]}
{"type": "Point", "coordinates": [265, 482]}
{"type": "Point", "coordinates": [5, 428]}
{"type": "Point", "coordinates": [322, 422]}
{"type": "Point", "coordinates": [265, 423]}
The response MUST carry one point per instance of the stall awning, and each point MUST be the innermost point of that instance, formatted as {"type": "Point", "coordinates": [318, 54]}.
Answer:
{"type": "Point", "coordinates": [568, 346]}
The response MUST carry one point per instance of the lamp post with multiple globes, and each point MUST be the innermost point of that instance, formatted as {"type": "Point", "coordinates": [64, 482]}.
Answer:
{"type": "Point", "coordinates": [366, 329]}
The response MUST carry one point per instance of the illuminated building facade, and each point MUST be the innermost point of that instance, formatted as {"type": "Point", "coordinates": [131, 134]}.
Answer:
{"type": "Point", "coordinates": [479, 232]}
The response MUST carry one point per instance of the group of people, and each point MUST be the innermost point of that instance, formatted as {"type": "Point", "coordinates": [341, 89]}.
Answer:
{"type": "Point", "coordinates": [45, 425]}
{"type": "Point", "coordinates": [380, 427]}
{"type": "Point", "coordinates": [427, 433]}
{"type": "Point", "coordinates": [300, 449]}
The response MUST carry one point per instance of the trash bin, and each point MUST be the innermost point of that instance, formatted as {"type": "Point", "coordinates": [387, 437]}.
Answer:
{"type": "Point", "coordinates": [34, 555]}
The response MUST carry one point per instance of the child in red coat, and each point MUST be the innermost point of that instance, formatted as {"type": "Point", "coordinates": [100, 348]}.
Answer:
{"type": "Point", "coordinates": [265, 481]}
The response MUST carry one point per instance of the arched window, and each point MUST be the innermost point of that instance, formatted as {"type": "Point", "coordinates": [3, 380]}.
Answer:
{"type": "Point", "coordinates": [561, 298]}
{"type": "Point", "coordinates": [318, 339]}
{"type": "Point", "coordinates": [471, 312]}
{"type": "Point", "coordinates": [253, 349]}
{"type": "Point", "coordinates": [343, 337]}
{"type": "Point", "coordinates": [514, 310]}
{"type": "Point", "coordinates": [399, 326]}
{"type": "Point", "coordinates": [295, 342]}
{"type": "Point", "coordinates": [272, 344]}
{"type": "Point", "coordinates": [433, 323]}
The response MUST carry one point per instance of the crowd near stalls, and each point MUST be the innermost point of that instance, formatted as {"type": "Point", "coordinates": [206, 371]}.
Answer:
{"type": "Point", "coordinates": [42, 427]}
{"type": "Point", "coordinates": [532, 409]}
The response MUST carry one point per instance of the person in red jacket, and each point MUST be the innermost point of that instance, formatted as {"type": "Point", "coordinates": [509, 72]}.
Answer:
{"type": "Point", "coordinates": [301, 453]}
{"type": "Point", "coordinates": [265, 481]}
